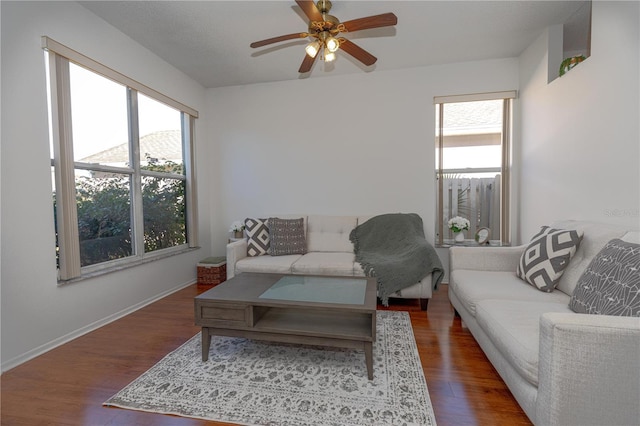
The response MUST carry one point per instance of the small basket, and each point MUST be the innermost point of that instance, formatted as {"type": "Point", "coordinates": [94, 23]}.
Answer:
{"type": "Point", "coordinates": [212, 271]}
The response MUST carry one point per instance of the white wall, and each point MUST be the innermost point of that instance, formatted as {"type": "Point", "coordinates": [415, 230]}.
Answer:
{"type": "Point", "coordinates": [580, 149]}
{"type": "Point", "coordinates": [357, 144]}
{"type": "Point", "coordinates": [36, 314]}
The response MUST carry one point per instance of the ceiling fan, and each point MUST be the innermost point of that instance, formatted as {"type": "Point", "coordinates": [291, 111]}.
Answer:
{"type": "Point", "coordinates": [323, 29]}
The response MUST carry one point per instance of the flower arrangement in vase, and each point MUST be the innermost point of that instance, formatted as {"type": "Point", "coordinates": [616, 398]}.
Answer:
{"type": "Point", "coordinates": [457, 225]}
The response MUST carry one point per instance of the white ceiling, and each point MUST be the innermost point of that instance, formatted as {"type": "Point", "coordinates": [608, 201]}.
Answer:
{"type": "Point", "coordinates": [209, 40]}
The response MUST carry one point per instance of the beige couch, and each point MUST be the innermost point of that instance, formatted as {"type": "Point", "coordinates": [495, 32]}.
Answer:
{"type": "Point", "coordinates": [563, 368]}
{"type": "Point", "coordinates": [329, 252]}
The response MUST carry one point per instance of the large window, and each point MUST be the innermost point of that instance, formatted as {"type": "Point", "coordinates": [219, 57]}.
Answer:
{"type": "Point", "coordinates": [473, 164]}
{"type": "Point", "coordinates": [121, 158]}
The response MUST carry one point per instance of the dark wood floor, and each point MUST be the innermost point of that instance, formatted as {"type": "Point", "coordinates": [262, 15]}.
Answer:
{"type": "Point", "coordinates": [67, 386]}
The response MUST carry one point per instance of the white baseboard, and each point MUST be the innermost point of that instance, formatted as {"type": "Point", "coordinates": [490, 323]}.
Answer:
{"type": "Point", "coordinates": [20, 359]}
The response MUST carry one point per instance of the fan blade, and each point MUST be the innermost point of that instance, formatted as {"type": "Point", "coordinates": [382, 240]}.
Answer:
{"type": "Point", "coordinates": [357, 52]}
{"type": "Point", "coordinates": [376, 21]}
{"type": "Point", "coordinates": [277, 39]}
{"type": "Point", "coordinates": [307, 63]}
{"type": "Point", "coordinates": [309, 8]}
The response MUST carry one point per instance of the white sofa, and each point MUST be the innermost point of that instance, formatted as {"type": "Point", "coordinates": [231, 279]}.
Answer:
{"type": "Point", "coordinates": [563, 368]}
{"type": "Point", "coordinates": [329, 252]}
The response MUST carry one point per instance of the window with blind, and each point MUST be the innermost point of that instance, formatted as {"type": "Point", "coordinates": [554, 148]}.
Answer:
{"type": "Point", "coordinates": [473, 149]}
{"type": "Point", "coordinates": [122, 167]}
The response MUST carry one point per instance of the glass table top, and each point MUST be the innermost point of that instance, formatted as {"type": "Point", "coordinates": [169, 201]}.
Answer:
{"type": "Point", "coordinates": [318, 289]}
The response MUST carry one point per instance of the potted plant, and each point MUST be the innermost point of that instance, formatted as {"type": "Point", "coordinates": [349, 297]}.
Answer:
{"type": "Point", "coordinates": [237, 227]}
{"type": "Point", "coordinates": [569, 63]}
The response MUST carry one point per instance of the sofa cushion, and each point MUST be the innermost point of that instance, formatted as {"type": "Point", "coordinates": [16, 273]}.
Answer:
{"type": "Point", "coordinates": [257, 236]}
{"type": "Point", "coordinates": [325, 263]}
{"type": "Point", "coordinates": [514, 328]}
{"type": "Point", "coordinates": [611, 283]}
{"type": "Point", "coordinates": [330, 233]}
{"type": "Point", "coordinates": [286, 236]}
{"type": "Point", "coordinates": [267, 264]}
{"type": "Point", "coordinates": [473, 286]}
{"type": "Point", "coordinates": [547, 256]}
{"type": "Point", "coordinates": [596, 235]}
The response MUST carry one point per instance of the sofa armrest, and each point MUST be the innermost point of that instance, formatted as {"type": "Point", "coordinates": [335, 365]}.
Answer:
{"type": "Point", "coordinates": [589, 370]}
{"type": "Point", "coordinates": [235, 251]}
{"type": "Point", "coordinates": [485, 258]}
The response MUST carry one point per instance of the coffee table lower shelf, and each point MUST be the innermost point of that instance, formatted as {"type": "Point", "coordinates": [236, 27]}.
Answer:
{"type": "Point", "coordinates": [323, 327]}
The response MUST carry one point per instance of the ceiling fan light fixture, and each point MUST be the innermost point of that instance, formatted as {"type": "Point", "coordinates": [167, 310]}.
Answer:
{"type": "Point", "coordinates": [332, 44]}
{"type": "Point", "coordinates": [312, 48]}
{"type": "Point", "coordinates": [329, 56]}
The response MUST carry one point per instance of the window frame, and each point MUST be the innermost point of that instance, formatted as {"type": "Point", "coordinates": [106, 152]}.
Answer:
{"type": "Point", "coordinates": [59, 57]}
{"type": "Point", "coordinates": [505, 170]}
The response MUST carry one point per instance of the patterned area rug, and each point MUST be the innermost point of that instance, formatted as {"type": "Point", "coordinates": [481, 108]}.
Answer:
{"type": "Point", "coordinates": [252, 382]}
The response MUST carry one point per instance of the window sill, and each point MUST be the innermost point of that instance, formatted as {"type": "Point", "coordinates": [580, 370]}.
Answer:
{"type": "Point", "coordinates": [127, 264]}
{"type": "Point", "coordinates": [470, 243]}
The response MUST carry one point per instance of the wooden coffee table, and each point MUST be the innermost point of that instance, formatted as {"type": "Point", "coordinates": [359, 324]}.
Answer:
{"type": "Point", "coordinates": [312, 310]}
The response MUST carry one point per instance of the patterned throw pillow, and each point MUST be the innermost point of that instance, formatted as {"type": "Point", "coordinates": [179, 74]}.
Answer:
{"type": "Point", "coordinates": [286, 236]}
{"type": "Point", "coordinates": [547, 256]}
{"type": "Point", "coordinates": [611, 283]}
{"type": "Point", "coordinates": [258, 236]}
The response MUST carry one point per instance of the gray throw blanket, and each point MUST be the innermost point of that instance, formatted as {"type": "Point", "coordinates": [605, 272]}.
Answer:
{"type": "Point", "coordinates": [392, 248]}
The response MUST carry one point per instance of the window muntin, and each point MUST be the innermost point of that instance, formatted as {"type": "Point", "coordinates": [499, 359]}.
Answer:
{"type": "Point", "coordinates": [119, 194]}
{"type": "Point", "coordinates": [472, 164]}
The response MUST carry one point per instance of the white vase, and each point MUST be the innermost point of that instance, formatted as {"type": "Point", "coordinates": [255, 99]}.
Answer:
{"type": "Point", "coordinates": [459, 237]}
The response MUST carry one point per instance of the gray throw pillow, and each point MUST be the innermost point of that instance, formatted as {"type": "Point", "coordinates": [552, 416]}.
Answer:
{"type": "Point", "coordinates": [611, 283]}
{"type": "Point", "coordinates": [286, 236]}
{"type": "Point", "coordinates": [547, 256]}
{"type": "Point", "coordinates": [257, 231]}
